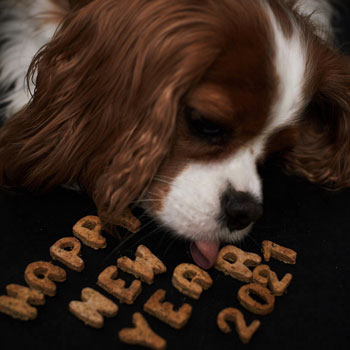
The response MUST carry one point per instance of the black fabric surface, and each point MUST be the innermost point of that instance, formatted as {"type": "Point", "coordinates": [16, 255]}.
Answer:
{"type": "Point", "coordinates": [313, 314]}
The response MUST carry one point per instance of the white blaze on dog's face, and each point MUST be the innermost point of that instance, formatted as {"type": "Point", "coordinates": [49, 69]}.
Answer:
{"type": "Point", "coordinates": [208, 190]}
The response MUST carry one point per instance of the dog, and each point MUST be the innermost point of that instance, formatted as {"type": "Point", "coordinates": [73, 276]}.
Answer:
{"type": "Point", "coordinates": [172, 105]}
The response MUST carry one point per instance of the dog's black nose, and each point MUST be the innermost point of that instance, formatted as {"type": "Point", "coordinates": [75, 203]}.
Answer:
{"type": "Point", "coordinates": [239, 209]}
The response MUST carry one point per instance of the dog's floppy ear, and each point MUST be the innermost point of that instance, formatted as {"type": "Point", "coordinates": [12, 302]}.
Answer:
{"type": "Point", "coordinates": [322, 152]}
{"type": "Point", "coordinates": [104, 108]}
{"type": "Point", "coordinates": [99, 116]}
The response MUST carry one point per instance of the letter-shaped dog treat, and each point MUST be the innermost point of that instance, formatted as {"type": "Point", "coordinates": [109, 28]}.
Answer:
{"type": "Point", "coordinates": [88, 230]}
{"type": "Point", "coordinates": [234, 261]}
{"type": "Point", "coordinates": [107, 281]}
{"type": "Point", "coordinates": [144, 267]}
{"type": "Point", "coordinates": [251, 304]}
{"type": "Point", "coordinates": [70, 257]}
{"type": "Point", "coordinates": [190, 280]}
{"type": "Point", "coordinates": [128, 221]}
{"type": "Point", "coordinates": [17, 303]}
{"type": "Point", "coordinates": [93, 307]}
{"type": "Point", "coordinates": [263, 275]}
{"type": "Point", "coordinates": [142, 334]}
{"type": "Point", "coordinates": [245, 332]}
{"type": "Point", "coordinates": [286, 255]}
{"type": "Point", "coordinates": [164, 311]}
{"type": "Point", "coordinates": [41, 274]}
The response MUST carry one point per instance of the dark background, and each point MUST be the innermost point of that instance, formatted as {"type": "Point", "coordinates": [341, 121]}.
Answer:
{"type": "Point", "coordinates": [314, 313]}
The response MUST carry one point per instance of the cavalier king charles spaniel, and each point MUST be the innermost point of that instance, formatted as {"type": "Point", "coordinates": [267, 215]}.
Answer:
{"type": "Point", "coordinates": [172, 105]}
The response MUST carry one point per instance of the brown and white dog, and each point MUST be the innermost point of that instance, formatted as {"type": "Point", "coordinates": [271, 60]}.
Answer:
{"type": "Point", "coordinates": [172, 104]}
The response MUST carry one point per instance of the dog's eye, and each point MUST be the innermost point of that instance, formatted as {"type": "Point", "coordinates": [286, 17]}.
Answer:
{"type": "Point", "coordinates": [203, 127]}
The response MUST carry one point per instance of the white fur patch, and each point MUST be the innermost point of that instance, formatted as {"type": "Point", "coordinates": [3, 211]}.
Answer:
{"type": "Point", "coordinates": [320, 12]}
{"type": "Point", "coordinates": [24, 28]}
{"type": "Point", "coordinates": [193, 205]}
{"type": "Point", "coordinates": [290, 63]}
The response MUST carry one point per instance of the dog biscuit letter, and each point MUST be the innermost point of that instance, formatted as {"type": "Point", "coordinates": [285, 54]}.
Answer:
{"type": "Point", "coordinates": [278, 287]}
{"type": "Point", "coordinates": [234, 261]}
{"type": "Point", "coordinates": [128, 221]}
{"type": "Point", "coordinates": [251, 304]}
{"type": "Point", "coordinates": [107, 281]}
{"type": "Point", "coordinates": [245, 332]}
{"type": "Point", "coordinates": [286, 255]}
{"type": "Point", "coordinates": [145, 266]}
{"type": "Point", "coordinates": [263, 275]}
{"type": "Point", "coordinates": [67, 250]}
{"type": "Point", "coordinates": [164, 311]}
{"type": "Point", "coordinates": [88, 230]}
{"type": "Point", "coordinates": [142, 334]}
{"type": "Point", "coordinates": [41, 274]}
{"type": "Point", "coordinates": [17, 303]}
{"type": "Point", "coordinates": [190, 280]}
{"type": "Point", "coordinates": [93, 307]}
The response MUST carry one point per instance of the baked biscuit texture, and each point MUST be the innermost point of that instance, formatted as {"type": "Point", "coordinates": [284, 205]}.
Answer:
{"type": "Point", "coordinates": [142, 334]}
{"type": "Point", "coordinates": [129, 221]}
{"type": "Point", "coordinates": [93, 307]}
{"type": "Point", "coordinates": [41, 274]}
{"type": "Point", "coordinates": [234, 262]}
{"type": "Point", "coordinates": [145, 265]}
{"type": "Point", "coordinates": [88, 229]}
{"type": "Point", "coordinates": [252, 305]}
{"type": "Point", "coordinates": [263, 275]}
{"type": "Point", "coordinates": [67, 250]}
{"type": "Point", "coordinates": [19, 300]}
{"type": "Point", "coordinates": [245, 332]}
{"type": "Point", "coordinates": [190, 280]}
{"type": "Point", "coordinates": [164, 311]}
{"type": "Point", "coordinates": [271, 249]}
{"type": "Point", "coordinates": [116, 287]}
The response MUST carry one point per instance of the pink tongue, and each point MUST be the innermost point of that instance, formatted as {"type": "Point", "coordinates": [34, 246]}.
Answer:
{"type": "Point", "coordinates": [204, 253]}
